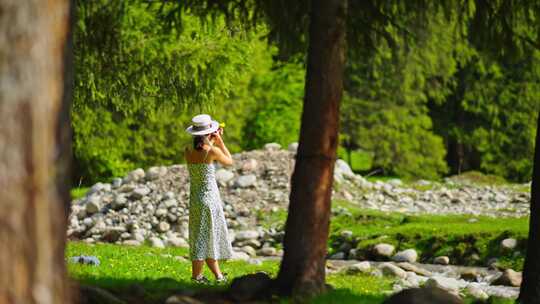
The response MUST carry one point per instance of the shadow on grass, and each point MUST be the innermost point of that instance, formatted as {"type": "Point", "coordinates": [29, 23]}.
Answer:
{"type": "Point", "coordinates": [150, 291]}
{"type": "Point", "coordinates": [345, 296]}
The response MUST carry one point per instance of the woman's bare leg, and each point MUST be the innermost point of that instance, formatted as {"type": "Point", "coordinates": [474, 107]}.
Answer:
{"type": "Point", "coordinates": [214, 267]}
{"type": "Point", "coordinates": [196, 268]}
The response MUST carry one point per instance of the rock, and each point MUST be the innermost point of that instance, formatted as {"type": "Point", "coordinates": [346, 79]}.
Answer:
{"type": "Point", "coordinates": [135, 175]}
{"type": "Point", "coordinates": [476, 292]}
{"type": "Point", "coordinates": [509, 278]}
{"type": "Point", "coordinates": [93, 205]}
{"type": "Point", "coordinates": [87, 260]}
{"type": "Point", "coordinates": [138, 235]}
{"type": "Point", "coordinates": [415, 269]}
{"type": "Point", "coordinates": [337, 256]}
{"type": "Point", "coordinates": [389, 269]}
{"type": "Point", "coordinates": [157, 242]}
{"type": "Point", "coordinates": [362, 267]}
{"type": "Point", "coordinates": [346, 234]}
{"type": "Point", "coordinates": [155, 172]}
{"type": "Point", "coordinates": [441, 260]}
{"type": "Point", "coordinates": [112, 234]}
{"type": "Point", "coordinates": [470, 275]}
{"type": "Point", "coordinates": [423, 296]}
{"type": "Point", "coordinates": [182, 299]}
{"type": "Point", "coordinates": [448, 284]}
{"type": "Point", "coordinates": [131, 243]}
{"type": "Point", "coordinates": [268, 251]}
{"type": "Point", "coordinates": [99, 187]}
{"type": "Point", "coordinates": [249, 165]}
{"type": "Point", "coordinates": [383, 250]}
{"type": "Point", "coordinates": [509, 243]}
{"type": "Point", "coordinates": [165, 198]}
{"type": "Point", "coordinates": [116, 182]}
{"type": "Point", "coordinates": [240, 255]}
{"type": "Point", "coordinates": [395, 182]}
{"type": "Point", "coordinates": [119, 202]}
{"type": "Point", "coordinates": [163, 226]}
{"type": "Point", "coordinates": [250, 287]}
{"type": "Point", "coordinates": [342, 168]}
{"type": "Point", "coordinates": [223, 176]}
{"type": "Point", "coordinates": [93, 294]}
{"type": "Point", "coordinates": [293, 147]}
{"type": "Point", "coordinates": [161, 213]}
{"type": "Point", "coordinates": [245, 181]}
{"type": "Point", "coordinates": [272, 146]}
{"type": "Point", "coordinates": [249, 250]}
{"type": "Point", "coordinates": [246, 235]}
{"type": "Point", "coordinates": [139, 193]}
{"type": "Point", "coordinates": [408, 255]}
{"type": "Point", "coordinates": [177, 242]}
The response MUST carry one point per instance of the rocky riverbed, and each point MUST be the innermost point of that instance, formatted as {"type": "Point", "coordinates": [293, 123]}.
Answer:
{"type": "Point", "coordinates": [152, 205]}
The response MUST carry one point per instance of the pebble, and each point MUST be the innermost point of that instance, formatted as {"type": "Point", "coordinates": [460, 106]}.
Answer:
{"type": "Point", "coordinates": [389, 269]}
{"type": "Point", "coordinates": [362, 267]}
{"type": "Point", "coordinates": [156, 242]}
{"type": "Point", "coordinates": [245, 181]}
{"type": "Point", "coordinates": [408, 255]}
{"type": "Point", "coordinates": [383, 250]}
{"type": "Point", "coordinates": [441, 260]}
{"type": "Point", "coordinates": [509, 243]}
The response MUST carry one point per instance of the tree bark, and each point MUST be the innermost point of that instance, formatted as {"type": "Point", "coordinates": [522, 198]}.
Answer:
{"type": "Point", "coordinates": [34, 150]}
{"type": "Point", "coordinates": [302, 269]}
{"type": "Point", "coordinates": [530, 287]}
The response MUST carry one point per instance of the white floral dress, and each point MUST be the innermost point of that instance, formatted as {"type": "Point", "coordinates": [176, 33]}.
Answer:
{"type": "Point", "coordinates": [208, 235]}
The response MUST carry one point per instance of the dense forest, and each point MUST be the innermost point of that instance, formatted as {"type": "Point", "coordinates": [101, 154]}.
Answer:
{"type": "Point", "coordinates": [431, 107]}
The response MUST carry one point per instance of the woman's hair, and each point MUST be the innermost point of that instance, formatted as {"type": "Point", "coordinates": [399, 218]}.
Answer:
{"type": "Point", "coordinates": [199, 141]}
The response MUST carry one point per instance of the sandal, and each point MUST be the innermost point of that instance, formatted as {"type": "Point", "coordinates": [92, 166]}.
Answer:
{"type": "Point", "coordinates": [200, 280]}
{"type": "Point", "coordinates": [222, 280]}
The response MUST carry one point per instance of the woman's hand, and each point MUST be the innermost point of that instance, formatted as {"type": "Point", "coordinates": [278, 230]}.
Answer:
{"type": "Point", "coordinates": [217, 137]}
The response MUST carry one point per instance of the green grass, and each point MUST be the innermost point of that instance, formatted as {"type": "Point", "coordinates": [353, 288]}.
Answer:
{"type": "Point", "coordinates": [457, 236]}
{"type": "Point", "coordinates": [79, 192]}
{"type": "Point", "coordinates": [432, 235]}
{"type": "Point", "coordinates": [160, 275]}
{"type": "Point", "coordinates": [479, 178]}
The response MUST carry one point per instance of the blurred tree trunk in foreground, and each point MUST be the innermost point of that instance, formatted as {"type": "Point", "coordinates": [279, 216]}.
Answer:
{"type": "Point", "coordinates": [530, 287]}
{"type": "Point", "coordinates": [306, 232]}
{"type": "Point", "coordinates": [35, 95]}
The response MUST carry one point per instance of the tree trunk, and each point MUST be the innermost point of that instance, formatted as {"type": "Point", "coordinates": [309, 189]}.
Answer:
{"type": "Point", "coordinates": [530, 287]}
{"type": "Point", "coordinates": [302, 269]}
{"type": "Point", "coordinates": [34, 150]}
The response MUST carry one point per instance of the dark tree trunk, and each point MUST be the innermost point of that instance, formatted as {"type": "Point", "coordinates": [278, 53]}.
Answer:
{"type": "Point", "coordinates": [34, 150]}
{"type": "Point", "coordinates": [530, 287]}
{"type": "Point", "coordinates": [302, 269]}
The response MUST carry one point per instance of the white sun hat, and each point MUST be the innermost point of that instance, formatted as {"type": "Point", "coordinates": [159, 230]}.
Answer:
{"type": "Point", "coordinates": [202, 124]}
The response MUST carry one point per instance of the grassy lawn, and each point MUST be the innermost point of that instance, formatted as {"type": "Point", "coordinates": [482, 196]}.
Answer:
{"type": "Point", "coordinates": [159, 272]}
{"type": "Point", "coordinates": [458, 236]}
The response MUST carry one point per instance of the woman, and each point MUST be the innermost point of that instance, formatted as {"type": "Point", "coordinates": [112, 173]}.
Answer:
{"type": "Point", "coordinates": [208, 239]}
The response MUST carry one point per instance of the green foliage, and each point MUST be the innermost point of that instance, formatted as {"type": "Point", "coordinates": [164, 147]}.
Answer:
{"type": "Point", "coordinates": [436, 99]}
{"type": "Point", "coordinates": [359, 160]}
{"type": "Point", "coordinates": [138, 84]}
{"type": "Point", "coordinates": [385, 111]}
{"type": "Point", "coordinates": [423, 93]}
{"type": "Point", "coordinates": [278, 96]}
{"type": "Point", "coordinates": [489, 122]}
